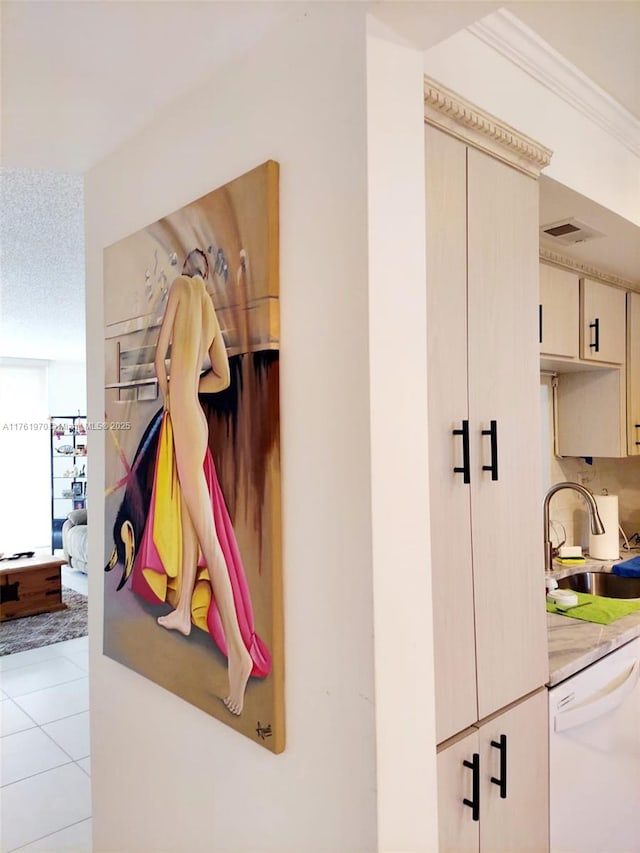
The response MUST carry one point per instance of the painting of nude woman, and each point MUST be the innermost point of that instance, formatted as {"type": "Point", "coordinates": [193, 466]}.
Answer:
{"type": "Point", "coordinates": [193, 591]}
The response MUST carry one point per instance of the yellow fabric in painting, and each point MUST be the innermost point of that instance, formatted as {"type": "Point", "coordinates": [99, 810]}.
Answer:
{"type": "Point", "coordinates": [157, 582]}
{"type": "Point", "coordinates": [201, 599]}
{"type": "Point", "coordinates": [167, 520]}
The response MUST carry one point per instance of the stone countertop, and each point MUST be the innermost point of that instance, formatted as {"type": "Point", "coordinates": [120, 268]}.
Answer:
{"type": "Point", "coordinates": [574, 644]}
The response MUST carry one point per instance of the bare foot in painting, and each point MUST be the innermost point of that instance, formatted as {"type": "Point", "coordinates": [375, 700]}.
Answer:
{"type": "Point", "coordinates": [176, 621]}
{"type": "Point", "coordinates": [240, 666]}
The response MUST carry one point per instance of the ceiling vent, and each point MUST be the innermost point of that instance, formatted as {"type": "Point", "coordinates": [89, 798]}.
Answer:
{"type": "Point", "coordinates": [566, 232]}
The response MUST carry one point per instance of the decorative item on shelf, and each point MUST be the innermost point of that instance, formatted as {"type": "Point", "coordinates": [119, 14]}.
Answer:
{"type": "Point", "coordinates": [68, 440]}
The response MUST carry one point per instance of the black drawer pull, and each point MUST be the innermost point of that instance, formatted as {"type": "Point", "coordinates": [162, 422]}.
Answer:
{"type": "Point", "coordinates": [493, 432]}
{"type": "Point", "coordinates": [502, 781]}
{"type": "Point", "coordinates": [465, 470]}
{"type": "Point", "coordinates": [474, 804]}
{"type": "Point", "coordinates": [595, 325]}
{"type": "Point", "coordinates": [540, 323]}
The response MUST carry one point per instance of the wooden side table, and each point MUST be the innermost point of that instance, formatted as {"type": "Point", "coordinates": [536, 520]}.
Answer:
{"type": "Point", "coordinates": [30, 586]}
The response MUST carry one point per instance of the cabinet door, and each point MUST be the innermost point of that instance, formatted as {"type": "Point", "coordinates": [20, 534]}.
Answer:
{"type": "Point", "coordinates": [458, 832]}
{"type": "Point", "coordinates": [633, 373]}
{"type": "Point", "coordinates": [506, 503]}
{"type": "Point", "coordinates": [559, 312]}
{"type": "Point", "coordinates": [602, 322]}
{"type": "Point", "coordinates": [598, 399]}
{"type": "Point", "coordinates": [514, 751]}
{"type": "Point", "coordinates": [452, 581]}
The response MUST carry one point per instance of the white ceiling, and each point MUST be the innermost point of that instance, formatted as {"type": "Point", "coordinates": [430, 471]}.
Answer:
{"type": "Point", "coordinates": [601, 38]}
{"type": "Point", "coordinates": [79, 78]}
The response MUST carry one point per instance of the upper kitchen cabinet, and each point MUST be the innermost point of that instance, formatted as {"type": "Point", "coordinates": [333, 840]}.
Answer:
{"type": "Point", "coordinates": [558, 312]}
{"type": "Point", "coordinates": [602, 322]}
{"type": "Point", "coordinates": [483, 364]}
{"type": "Point", "coordinates": [633, 374]}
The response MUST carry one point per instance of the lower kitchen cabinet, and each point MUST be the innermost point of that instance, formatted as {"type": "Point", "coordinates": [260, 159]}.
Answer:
{"type": "Point", "coordinates": [493, 779]}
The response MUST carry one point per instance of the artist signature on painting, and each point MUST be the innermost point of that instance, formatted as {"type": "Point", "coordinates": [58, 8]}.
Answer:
{"type": "Point", "coordinates": [263, 732]}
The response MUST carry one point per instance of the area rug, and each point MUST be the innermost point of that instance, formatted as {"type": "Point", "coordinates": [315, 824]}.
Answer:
{"type": "Point", "coordinates": [32, 632]}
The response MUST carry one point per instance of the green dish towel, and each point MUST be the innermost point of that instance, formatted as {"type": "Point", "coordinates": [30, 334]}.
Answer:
{"type": "Point", "coordinates": [598, 609]}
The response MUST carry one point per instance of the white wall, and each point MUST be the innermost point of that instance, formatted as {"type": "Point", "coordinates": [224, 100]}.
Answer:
{"type": "Point", "coordinates": [405, 714]}
{"type": "Point", "coordinates": [165, 775]}
{"type": "Point", "coordinates": [585, 157]}
{"type": "Point", "coordinates": [67, 388]}
{"type": "Point", "coordinates": [25, 456]}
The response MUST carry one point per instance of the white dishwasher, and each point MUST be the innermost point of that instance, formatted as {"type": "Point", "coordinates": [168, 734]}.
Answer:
{"type": "Point", "coordinates": [594, 757]}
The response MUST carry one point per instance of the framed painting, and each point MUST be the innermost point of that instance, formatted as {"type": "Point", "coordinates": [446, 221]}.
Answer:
{"type": "Point", "coordinates": [193, 578]}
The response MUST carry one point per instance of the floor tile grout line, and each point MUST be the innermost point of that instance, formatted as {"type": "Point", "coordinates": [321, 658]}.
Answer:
{"type": "Point", "coordinates": [27, 714]}
{"type": "Point", "coordinates": [51, 649]}
{"type": "Point", "coordinates": [55, 652]}
{"type": "Point", "coordinates": [49, 834]}
{"type": "Point", "coordinates": [15, 699]}
{"type": "Point", "coordinates": [39, 773]}
{"type": "Point", "coordinates": [38, 689]}
{"type": "Point", "coordinates": [15, 702]}
{"type": "Point", "coordinates": [50, 722]}
{"type": "Point", "coordinates": [53, 740]}
{"type": "Point", "coordinates": [78, 760]}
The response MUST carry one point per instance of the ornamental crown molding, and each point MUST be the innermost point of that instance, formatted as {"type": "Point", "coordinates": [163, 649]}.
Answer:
{"type": "Point", "coordinates": [452, 113]}
{"type": "Point", "coordinates": [505, 33]}
{"type": "Point", "coordinates": [584, 269]}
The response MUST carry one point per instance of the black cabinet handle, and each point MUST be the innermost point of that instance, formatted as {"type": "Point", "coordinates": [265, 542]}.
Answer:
{"type": "Point", "coordinates": [540, 323]}
{"type": "Point", "coordinates": [465, 470]}
{"type": "Point", "coordinates": [502, 781]}
{"type": "Point", "coordinates": [474, 804]}
{"type": "Point", "coordinates": [596, 325]}
{"type": "Point", "coordinates": [493, 432]}
{"type": "Point", "coordinates": [637, 442]}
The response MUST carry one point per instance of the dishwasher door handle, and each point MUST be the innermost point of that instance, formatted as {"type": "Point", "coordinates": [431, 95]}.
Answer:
{"type": "Point", "coordinates": [607, 700]}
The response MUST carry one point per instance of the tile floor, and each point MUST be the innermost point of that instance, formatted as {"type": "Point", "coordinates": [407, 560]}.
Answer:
{"type": "Point", "coordinates": [44, 749]}
{"type": "Point", "coordinates": [75, 580]}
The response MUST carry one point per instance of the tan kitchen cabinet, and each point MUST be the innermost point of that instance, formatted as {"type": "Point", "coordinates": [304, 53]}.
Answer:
{"type": "Point", "coordinates": [459, 794]}
{"type": "Point", "coordinates": [483, 365]}
{"type": "Point", "coordinates": [598, 404]}
{"type": "Point", "coordinates": [602, 322]}
{"type": "Point", "coordinates": [493, 783]}
{"type": "Point", "coordinates": [633, 373]}
{"type": "Point", "coordinates": [559, 312]}
{"type": "Point", "coordinates": [591, 413]}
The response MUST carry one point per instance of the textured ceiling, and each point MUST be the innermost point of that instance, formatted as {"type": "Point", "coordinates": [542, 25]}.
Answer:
{"type": "Point", "coordinates": [41, 265]}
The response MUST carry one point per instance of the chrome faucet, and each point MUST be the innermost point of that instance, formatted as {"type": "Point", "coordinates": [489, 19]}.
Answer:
{"type": "Point", "coordinates": [597, 527]}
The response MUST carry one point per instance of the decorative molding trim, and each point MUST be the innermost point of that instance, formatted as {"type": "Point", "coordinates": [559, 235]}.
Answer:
{"type": "Point", "coordinates": [505, 33]}
{"type": "Point", "coordinates": [454, 114]}
{"type": "Point", "coordinates": [575, 266]}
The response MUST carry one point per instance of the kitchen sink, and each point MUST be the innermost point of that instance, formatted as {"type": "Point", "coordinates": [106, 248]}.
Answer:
{"type": "Point", "coordinates": [602, 583]}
